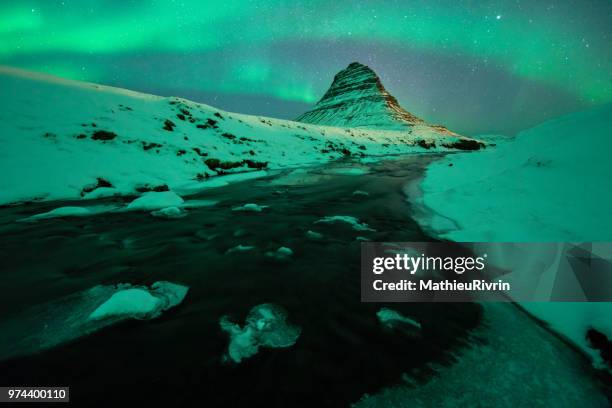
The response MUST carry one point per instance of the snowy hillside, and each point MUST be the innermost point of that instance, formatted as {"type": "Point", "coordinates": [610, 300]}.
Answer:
{"type": "Point", "coordinates": [357, 98]}
{"type": "Point", "coordinates": [65, 139]}
{"type": "Point", "coordinates": [550, 184]}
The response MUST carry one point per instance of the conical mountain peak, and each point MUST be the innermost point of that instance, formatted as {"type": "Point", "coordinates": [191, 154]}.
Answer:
{"type": "Point", "coordinates": [357, 98]}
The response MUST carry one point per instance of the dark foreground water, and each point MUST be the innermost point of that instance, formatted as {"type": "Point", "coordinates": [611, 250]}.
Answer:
{"type": "Point", "coordinates": [343, 352]}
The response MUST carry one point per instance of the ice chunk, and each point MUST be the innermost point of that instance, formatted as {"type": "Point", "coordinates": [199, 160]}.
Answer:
{"type": "Point", "coordinates": [131, 302]}
{"type": "Point", "coordinates": [61, 212]}
{"type": "Point", "coordinates": [172, 294]}
{"type": "Point", "coordinates": [64, 319]}
{"type": "Point", "coordinates": [141, 302]}
{"type": "Point", "coordinates": [70, 211]}
{"type": "Point", "coordinates": [265, 326]}
{"type": "Point", "coordinates": [154, 200]}
{"type": "Point", "coordinates": [313, 235]}
{"type": "Point", "coordinates": [352, 221]}
{"type": "Point", "coordinates": [360, 193]}
{"type": "Point", "coordinates": [281, 254]}
{"type": "Point", "coordinates": [392, 319]}
{"type": "Point", "coordinates": [199, 203]}
{"type": "Point", "coordinates": [250, 207]}
{"type": "Point", "coordinates": [169, 212]}
{"type": "Point", "coordinates": [240, 248]}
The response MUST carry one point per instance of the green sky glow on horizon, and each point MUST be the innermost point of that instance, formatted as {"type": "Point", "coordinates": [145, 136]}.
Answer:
{"type": "Point", "coordinates": [244, 47]}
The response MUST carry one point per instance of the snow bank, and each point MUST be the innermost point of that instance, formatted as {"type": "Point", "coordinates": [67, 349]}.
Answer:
{"type": "Point", "coordinates": [266, 326]}
{"type": "Point", "coordinates": [195, 186]}
{"type": "Point", "coordinates": [551, 184]}
{"type": "Point", "coordinates": [346, 219]}
{"type": "Point", "coordinates": [574, 319]}
{"type": "Point", "coordinates": [516, 351]}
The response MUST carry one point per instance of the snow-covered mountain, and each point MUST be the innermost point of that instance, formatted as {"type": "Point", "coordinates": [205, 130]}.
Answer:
{"type": "Point", "coordinates": [64, 139]}
{"type": "Point", "coordinates": [357, 98]}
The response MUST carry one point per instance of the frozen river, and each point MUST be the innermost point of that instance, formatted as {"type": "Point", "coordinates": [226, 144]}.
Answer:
{"type": "Point", "coordinates": [343, 352]}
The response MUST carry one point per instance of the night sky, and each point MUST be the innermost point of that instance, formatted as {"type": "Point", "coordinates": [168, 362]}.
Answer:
{"type": "Point", "coordinates": [475, 66]}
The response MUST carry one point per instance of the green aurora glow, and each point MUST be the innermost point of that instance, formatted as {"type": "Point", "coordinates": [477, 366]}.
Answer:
{"type": "Point", "coordinates": [242, 45]}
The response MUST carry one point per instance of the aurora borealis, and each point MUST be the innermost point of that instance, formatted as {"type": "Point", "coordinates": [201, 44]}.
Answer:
{"type": "Point", "coordinates": [475, 66]}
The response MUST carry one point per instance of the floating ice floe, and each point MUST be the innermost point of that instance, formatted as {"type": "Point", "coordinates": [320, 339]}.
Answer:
{"type": "Point", "coordinates": [65, 319]}
{"type": "Point", "coordinates": [313, 234]}
{"type": "Point", "coordinates": [165, 204]}
{"type": "Point", "coordinates": [391, 318]}
{"type": "Point", "coordinates": [347, 219]}
{"type": "Point", "coordinates": [154, 200]}
{"type": "Point", "coordinates": [61, 212]}
{"type": "Point", "coordinates": [265, 326]}
{"type": "Point", "coordinates": [140, 302]}
{"type": "Point", "coordinates": [240, 248]}
{"type": "Point", "coordinates": [281, 254]}
{"type": "Point", "coordinates": [199, 203]}
{"type": "Point", "coordinates": [250, 207]}
{"type": "Point", "coordinates": [169, 212]}
{"type": "Point", "coordinates": [69, 211]}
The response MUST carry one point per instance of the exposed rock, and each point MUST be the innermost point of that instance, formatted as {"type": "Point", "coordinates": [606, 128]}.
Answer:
{"type": "Point", "coordinates": [103, 135]}
{"type": "Point", "coordinates": [465, 144]}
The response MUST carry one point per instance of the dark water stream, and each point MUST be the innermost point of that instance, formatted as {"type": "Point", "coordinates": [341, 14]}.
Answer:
{"type": "Point", "coordinates": [343, 351]}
